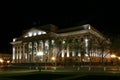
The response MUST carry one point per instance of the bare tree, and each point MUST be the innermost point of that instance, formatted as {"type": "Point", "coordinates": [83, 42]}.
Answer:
{"type": "Point", "coordinates": [104, 46]}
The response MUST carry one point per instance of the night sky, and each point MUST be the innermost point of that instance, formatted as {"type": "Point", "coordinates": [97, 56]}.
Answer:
{"type": "Point", "coordinates": [16, 18]}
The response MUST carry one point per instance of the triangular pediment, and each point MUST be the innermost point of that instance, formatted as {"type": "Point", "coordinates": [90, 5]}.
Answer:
{"type": "Point", "coordinates": [33, 32]}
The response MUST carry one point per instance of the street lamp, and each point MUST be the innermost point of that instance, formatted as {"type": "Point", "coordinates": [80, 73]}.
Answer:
{"type": "Point", "coordinates": [54, 60]}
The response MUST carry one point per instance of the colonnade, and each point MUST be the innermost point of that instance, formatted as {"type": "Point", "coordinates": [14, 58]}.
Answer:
{"type": "Point", "coordinates": [77, 48]}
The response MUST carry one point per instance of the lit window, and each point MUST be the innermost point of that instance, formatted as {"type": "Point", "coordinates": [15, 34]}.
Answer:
{"type": "Point", "coordinates": [62, 53]}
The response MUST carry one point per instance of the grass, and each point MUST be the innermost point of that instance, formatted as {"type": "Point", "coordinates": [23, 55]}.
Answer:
{"type": "Point", "coordinates": [47, 75]}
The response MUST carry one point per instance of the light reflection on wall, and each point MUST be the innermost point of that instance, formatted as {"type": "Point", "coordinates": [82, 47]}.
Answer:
{"type": "Point", "coordinates": [68, 51]}
{"type": "Point", "coordinates": [63, 53]}
{"type": "Point", "coordinates": [79, 54]}
{"type": "Point", "coordinates": [20, 55]}
{"type": "Point", "coordinates": [73, 53]}
{"type": "Point", "coordinates": [39, 33]}
{"type": "Point", "coordinates": [86, 42]}
{"type": "Point", "coordinates": [17, 56]}
{"type": "Point", "coordinates": [30, 34]}
{"type": "Point", "coordinates": [34, 33]}
{"type": "Point", "coordinates": [25, 55]}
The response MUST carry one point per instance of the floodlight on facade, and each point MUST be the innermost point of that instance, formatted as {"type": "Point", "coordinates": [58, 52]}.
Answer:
{"type": "Point", "coordinates": [53, 58]}
{"type": "Point", "coordinates": [40, 53]}
{"type": "Point", "coordinates": [113, 56]}
{"type": "Point", "coordinates": [1, 60]}
{"type": "Point", "coordinates": [8, 61]}
{"type": "Point", "coordinates": [119, 58]}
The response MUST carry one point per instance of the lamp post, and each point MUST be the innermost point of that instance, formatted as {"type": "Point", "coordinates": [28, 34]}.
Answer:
{"type": "Point", "coordinates": [39, 55]}
{"type": "Point", "coordinates": [54, 61]}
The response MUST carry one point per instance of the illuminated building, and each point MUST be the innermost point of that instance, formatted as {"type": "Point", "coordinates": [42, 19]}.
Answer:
{"type": "Point", "coordinates": [78, 43]}
{"type": "Point", "coordinates": [5, 58]}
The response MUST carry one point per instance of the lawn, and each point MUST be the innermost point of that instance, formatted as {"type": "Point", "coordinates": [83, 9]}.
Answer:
{"type": "Point", "coordinates": [52, 75]}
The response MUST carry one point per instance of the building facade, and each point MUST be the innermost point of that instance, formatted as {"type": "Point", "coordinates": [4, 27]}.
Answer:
{"type": "Point", "coordinates": [48, 43]}
{"type": "Point", "coordinates": [5, 58]}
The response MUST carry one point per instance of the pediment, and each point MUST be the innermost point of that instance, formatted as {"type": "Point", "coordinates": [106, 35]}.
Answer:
{"type": "Point", "coordinates": [33, 32]}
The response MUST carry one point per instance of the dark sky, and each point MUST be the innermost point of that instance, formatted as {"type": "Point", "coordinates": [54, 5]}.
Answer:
{"type": "Point", "coordinates": [18, 17]}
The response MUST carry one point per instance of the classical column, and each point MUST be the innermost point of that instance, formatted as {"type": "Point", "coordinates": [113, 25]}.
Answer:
{"type": "Point", "coordinates": [63, 50]}
{"type": "Point", "coordinates": [25, 57]}
{"type": "Point", "coordinates": [44, 49]}
{"type": "Point", "coordinates": [73, 48]}
{"type": "Point", "coordinates": [79, 54]}
{"type": "Point", "coordinates": [20, 54]}
{"type": "Point", "coordinates": [26, 52]}
{"type": "Point", "coordinates": [40, 50]}
{"type": "Point", "coordinates": [35, 50]}
{"type": "Point", "coordinates": [31, 54]}
{"type": "Point", "coordinates": [57, 50]}
{"type": "Point", "coordinates": [14, 54]}
{"type": "Point", "coordinates": [30, 47]}
{"type": "Point", "coordinates": [50, 51]}
{"type": "Point", "coordinates": [68, 52]}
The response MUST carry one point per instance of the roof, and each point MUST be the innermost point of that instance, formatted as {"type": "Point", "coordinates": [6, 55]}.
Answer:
{"type": "Point", "coordinates": [74, 28]}
{"type": "Point", "coordinates": [70, 30]}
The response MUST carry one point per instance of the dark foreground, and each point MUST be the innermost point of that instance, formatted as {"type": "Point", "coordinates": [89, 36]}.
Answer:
{"type": "Point", "coordinates": [53, 75]}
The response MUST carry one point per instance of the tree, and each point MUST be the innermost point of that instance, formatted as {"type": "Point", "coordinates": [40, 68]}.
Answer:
{"type": "Point", "coordinates": [115, 46]}
{"type": "Point", "coordinates": [104, 46]}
